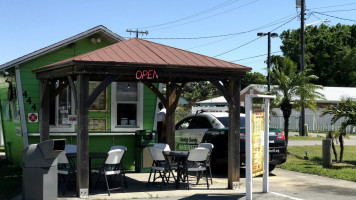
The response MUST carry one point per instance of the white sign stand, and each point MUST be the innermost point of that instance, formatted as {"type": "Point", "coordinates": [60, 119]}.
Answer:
{"type": "Point", "coordinates": [248, 146]}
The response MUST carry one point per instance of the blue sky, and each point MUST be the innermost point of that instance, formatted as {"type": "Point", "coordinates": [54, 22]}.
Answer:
{"type": "Point", "coordinates": [27, 26]}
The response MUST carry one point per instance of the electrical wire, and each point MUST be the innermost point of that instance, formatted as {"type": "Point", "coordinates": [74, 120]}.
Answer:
{"type": "Point", "coordinates": [205, 17]}
{"type": "Point", "coordinates": [338, 10]}
{"type": "Point", "coordinates": [333, 6]}
{"type": "Point", "coordinates": [335, 17]}
{"type": "Point", "coordinates": [255, 56]}
{"type": "Point", "coordinates": [252, 40]}
{"type": "Point", "coordinates": [222, 35]}
{"type": "Point", "coordinates": [193, 15]}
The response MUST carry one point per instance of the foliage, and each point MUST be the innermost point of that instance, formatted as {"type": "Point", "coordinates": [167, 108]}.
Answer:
{"type": "Point", "coordinates": [296, 162]}
{"type": "Point", "coordinates": [253, 78]}
{"type": "Point", "coordinates": [195, 92]}
{"type": "Point", "coordinates": [347, 113]}
{"type": "Point", "coordinates": [293, 88]}
{"type": "Point", "coordinates": [330, 52]}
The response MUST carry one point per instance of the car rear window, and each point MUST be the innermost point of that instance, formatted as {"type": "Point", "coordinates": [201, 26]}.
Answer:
{"type": "Point", "coordinates": [225, 121]}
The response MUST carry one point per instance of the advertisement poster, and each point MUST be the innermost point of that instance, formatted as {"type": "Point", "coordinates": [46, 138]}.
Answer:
{"type": "Point", "coordinates": [100, 102]}
{"type": "Point", "coordinates": [258, 125]}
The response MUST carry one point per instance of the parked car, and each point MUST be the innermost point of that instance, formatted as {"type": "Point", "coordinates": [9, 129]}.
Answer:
{"type": "Point", "coordinates": [213, 128]}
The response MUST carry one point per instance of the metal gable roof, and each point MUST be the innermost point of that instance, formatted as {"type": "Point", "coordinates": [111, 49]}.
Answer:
{"type": "Point", "coordinates": [101, 30]}
{"type": "Point", "coordinates": [141, 52]}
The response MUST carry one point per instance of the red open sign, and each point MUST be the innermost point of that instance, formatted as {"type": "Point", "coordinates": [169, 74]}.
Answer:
{"type": "Point", "coordinates": [146, 74]}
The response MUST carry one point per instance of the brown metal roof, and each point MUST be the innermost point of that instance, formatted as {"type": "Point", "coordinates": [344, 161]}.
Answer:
{"type": "Point", "coordinates": [142, 52]}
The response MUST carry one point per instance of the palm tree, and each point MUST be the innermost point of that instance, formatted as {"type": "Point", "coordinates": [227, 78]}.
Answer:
{"type": "Point", "coordinates": [346, 112]}
{"type": "Point", "coordinates": [293, 89]}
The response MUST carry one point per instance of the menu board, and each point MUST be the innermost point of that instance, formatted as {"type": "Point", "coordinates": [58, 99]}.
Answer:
{"type": "Point", "coordinates": [100, 103]}
{"type": "Point", "coordinates": [258, 126]}
{"type": "Point", "coordinates": [97, 124]}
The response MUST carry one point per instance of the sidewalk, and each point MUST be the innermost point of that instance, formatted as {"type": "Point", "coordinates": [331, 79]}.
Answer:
{"type": "Point", "coordinates": [137, 189]}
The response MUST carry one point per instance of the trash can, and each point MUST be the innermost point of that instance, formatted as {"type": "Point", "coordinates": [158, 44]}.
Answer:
{"type": "Point", "coordinates": [39, 170]}
{"type": "Point", "coordinates": [143, 159]}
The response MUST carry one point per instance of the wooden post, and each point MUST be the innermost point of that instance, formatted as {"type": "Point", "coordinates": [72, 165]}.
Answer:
{"type": "Point", "coordinates": [44, 110]}
{"type": "Point", "coordinates": [231, 91]}
{"type": "Point", "coordinates": [170, 115]}
{"type": "Point", "coordinates": [83, 137]}
{"type": "Point", "coordinates": [234, 134]}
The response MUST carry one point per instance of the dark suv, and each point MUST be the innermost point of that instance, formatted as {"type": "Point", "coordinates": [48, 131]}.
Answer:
{"type": "Point", "coordinates": [213, 128]}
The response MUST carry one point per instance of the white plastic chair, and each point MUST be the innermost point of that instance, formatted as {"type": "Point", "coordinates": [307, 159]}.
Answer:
{"type": "Point", "coordinates": [113, 166]}
{"type": "Point", "coordinates": [65, 170]}
{"type": "Point", "coordinates": [210, 147]}
{"type": "Point", "coordinates": [162, 146]}
{"type": "Point", "coordinates": [197, 162]}
{"type": "Point", "coordinates": [118, 147]}
{"type": "Point", "coordinates": [160, 164]}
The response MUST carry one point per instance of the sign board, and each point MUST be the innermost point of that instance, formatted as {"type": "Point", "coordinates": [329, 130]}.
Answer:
{"type": "Point", "coordinates": [257, 142]}
{"type": "Point", "coordinates": [32, 117]}
{"type": "Point", "coordinates": [146, 74]}
{"type": "Point", "coordinates": [72, 119]}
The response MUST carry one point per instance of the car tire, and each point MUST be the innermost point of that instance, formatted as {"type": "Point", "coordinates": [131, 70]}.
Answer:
{"type": "Point", "coordinates": [271, 167]}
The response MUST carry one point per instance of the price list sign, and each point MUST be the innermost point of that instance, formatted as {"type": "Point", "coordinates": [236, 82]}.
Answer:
{"type": "Point", "coordinates": [258, 125]}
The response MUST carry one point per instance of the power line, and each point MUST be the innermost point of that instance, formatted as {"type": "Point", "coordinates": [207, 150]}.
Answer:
{"type": "Point", "coordinates": [258, 28]}
{"type": "Point", "coordinates": [338, 10]}
{"type": "Point", "coordinates": [194, 15]}
{"type": "Point", "coordinates": [215, 36]}
{"type": "Point", "coordinates": [237, 47]}
{"type": "Point", "coordinates": [254, 56]}
{"type": "Point", "coordinates": [333, 6]}
{"type": "Point", "coordinates": [205, 17]}
{"type": "Point", "coordinates": [252, 40]}
{"type": "Point", "coordinates": [336, 17]}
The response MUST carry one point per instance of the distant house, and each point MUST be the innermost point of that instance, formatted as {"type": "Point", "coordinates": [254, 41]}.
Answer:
{"type": "Point", "coordinates": [332, 95]}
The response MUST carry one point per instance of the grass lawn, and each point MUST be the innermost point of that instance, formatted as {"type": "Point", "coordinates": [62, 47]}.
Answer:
{"type": "Point", "coordinates": [10, 180]}
{"type": "Point", "coordinates": [290, 138]}
{"type": "Point", "coordinates": [296, 162]}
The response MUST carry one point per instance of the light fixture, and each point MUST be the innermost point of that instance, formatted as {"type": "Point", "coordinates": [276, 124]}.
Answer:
{"type": "Point", "coordinates": [273, 35]}
{"type": "Point", "coordinates": [306, 155]}
{"type": "Point", "coordinates": [95, 40]}
{"type": "Point", "coordinates": [128, 85]}
{"type": "Point", "coordinates": [6, 73]}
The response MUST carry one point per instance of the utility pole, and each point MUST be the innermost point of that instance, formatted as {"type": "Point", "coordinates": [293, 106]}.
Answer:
{"type": "Point", "coordinates": [302, 15]}
{"type": "Point", "coordinates": [137, 32]}
{"type": "Point", "coordinates": [269, 62]}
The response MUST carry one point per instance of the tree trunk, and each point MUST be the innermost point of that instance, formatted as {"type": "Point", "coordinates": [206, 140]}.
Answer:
{"type": "Point", "coordinates": [330, 136]}
{"type": "Point", "coordinates": [286, 127]}
{"type": "Point", "coordinates": [334, 150]}
{"type": "Point", "coordinates": [341, 147]}
{"type": "Point", "coordinates": [286, 108]}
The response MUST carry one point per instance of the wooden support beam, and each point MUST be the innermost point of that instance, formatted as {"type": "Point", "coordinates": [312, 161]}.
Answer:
{"type": "Point", "coordinates": [156, 92]}
{"type": "Point", "coordinates": [100, 88]}
{"type": "Point", "coordinates": [234, 88]}
{"type": "Point", "coordinates": [73, 89]}
{"type": "Point", "coordinates": [58, 90]}
{"type": "Point", "coordinates": [83, 136]}
{"type": "Point", "coordinates": [170, 115]}
{"type": "Point", "coordinates": [231, 91]}
{"type": "Point", "coordinates": [44, 110]}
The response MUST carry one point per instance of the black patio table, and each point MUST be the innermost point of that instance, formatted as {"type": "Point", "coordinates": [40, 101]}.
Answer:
{"type": "Point", "coordinates": [92, 155]}
{"type": "Point", "coordinates": [180, 157]}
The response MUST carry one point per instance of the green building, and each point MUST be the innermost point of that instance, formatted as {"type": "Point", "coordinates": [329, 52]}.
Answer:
{"type": "Point", "coordinates": [113, 118]}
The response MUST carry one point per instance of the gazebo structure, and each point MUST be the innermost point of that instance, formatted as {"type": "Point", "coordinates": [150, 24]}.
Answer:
{"type": "Point", "coordinates": [140, 60]}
